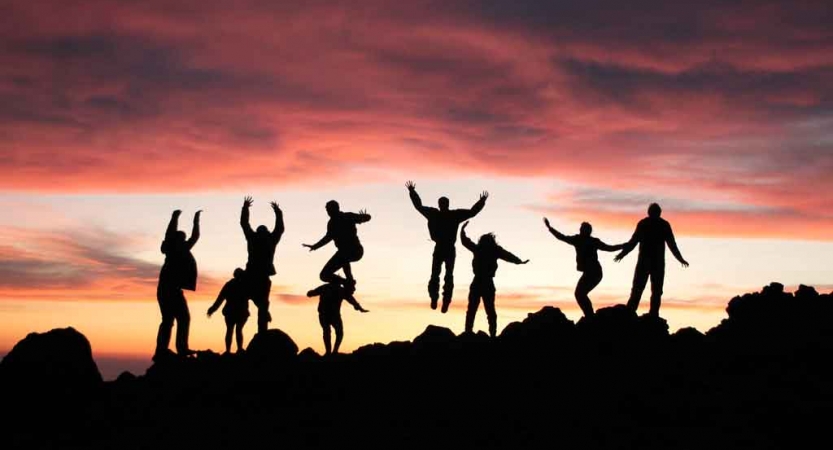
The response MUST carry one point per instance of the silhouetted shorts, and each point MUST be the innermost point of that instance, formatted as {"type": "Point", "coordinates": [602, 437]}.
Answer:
{"type": "Point", "coordinates": [329, 320]}
{"type": "Point", "coordinates": [236, 319]}
{"type": "Point", "coordinates": [349, 254]}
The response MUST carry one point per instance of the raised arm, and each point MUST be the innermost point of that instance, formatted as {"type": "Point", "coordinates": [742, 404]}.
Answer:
{"type": "Point", "coordinates": [672, 245]}
{"type": "Point", "coordinates": [173, 224]}
{"type": "Point", "coordinates": [244, 218]}
{"type": "Point", "coordinates": [465, 239]}
{"type": "Point", "coordinates": [508, 256]}
{"type": "Point", "coordinates": [476, 208]}
{"type": "Point", "coordinates": [277, 232]}
{"type": "Point", "coordinates": [195, 231]}
{"type": "Point", "coordinates": [558, 235]}
{"type": "Point", "coordinates": [424, 210]}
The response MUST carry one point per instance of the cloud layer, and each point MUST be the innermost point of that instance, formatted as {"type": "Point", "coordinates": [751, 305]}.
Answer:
{"type": "Point", "coordinates": [725, 101]}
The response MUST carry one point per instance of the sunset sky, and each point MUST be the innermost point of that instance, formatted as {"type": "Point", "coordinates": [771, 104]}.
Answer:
{"type": "Point", "coordinates": [115, 113]}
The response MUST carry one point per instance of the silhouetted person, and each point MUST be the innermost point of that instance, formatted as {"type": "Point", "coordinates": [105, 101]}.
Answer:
{"type": "Point", "coordinates": [442, 227]}
{"type": "Point", "coordinates": [236, 311]}
{"type": "Point", "coordinates": [341, 229]}
{"type": "Point", "coordinates": [587, 261]}
{"type": "Point", "coordinates": [486, 254]}
{"type": "Point", "coordinates": [329, 311]}
{"type": "Point", "coordinates": [261, 246]}
{"type": "Point", "coordinates": [179, 272]}
{"type": "Point", "coordinates": [652, 233]}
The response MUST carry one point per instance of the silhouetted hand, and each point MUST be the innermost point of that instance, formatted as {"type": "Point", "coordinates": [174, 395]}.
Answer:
{"type": "Point", "coordinates": [465, 225]}
{"type": "Point", "coordinates": [524, 262]}
{"type": "Point", "coordinates": [619, 257]}
{"type": "Point", "coordinates": [177, 212]}
{"type": "Point", "coordinates": [363, 212]}
{"type": "Point", "coordinates": [310, 293]}
{"type": "Point", "coordinates": [410, 185]}
{"type": "Point", "coordinates": [311, 248]}
{"type": "Point", "coordinates": [211, 311]}
{"type": "Point", "coordinates": [360, 309]}
{"type": "Point", "coordinates": [684, 263]}
{"type": "Point", "coordinates": [484, 195]}
{"type": "Point", "coordinates": [547, 222]}
{"type": "Point", "coordinates": [247, 202]}
{"type": "Point", "coordinates": [197, 215]}
{"type": "Point", "coordinates": [275, 207]}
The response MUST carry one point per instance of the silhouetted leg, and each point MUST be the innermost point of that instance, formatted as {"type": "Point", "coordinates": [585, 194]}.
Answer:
{"type": "Point", "coordinates": [229, 332]}
{"type": "Point", "coordinates": [339, 327]}
{"type": "Point", "coordinates": [640, 279]}
{"type": "Point", "coordinates": [448, 282]}
{"type": "Point", "coordinates": [351, 256]}
{"type": "Point", "coordinates": [239, 329]}
{"type": "Point", "coordinates": [589, 280]}
{"type": "Point", "coordinates": [260, 289]}
{"type": "Point", "coordinates": [657, 281]}
{"type": "Point", "coordinates": [489, 306]}
{"type": "Point", "coordinates": [163, 337]}
{"type": "Point", "coordinates": [434, 281]}
{"type": "Point", "coordinates": [328, 273]}
{"type": "Point", "coordinates": [183, 325]}
{"type": "Point", "coordinates": [325, 328]}
{"type": "Point", "coordinates": [474, 303]}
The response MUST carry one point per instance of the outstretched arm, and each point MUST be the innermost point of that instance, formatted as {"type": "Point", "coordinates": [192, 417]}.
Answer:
{"type": "Point", "coordinates": [244, 217]}
{"type": "Point", "coordinates": [195, 232]}
{"type": "Point", "coordinates": [277, 232]}
{"type": "Point", "coordinates": [315, 292]}
{"type": "Point", "coordinates": [361, 217]}
{"type": "Point", "coordinates": [672, 245]}
{"type": "Point", "coordinates": [220, 298]}
{"type": "Point", "coordinates": [476, 208]}
{"type": "Point", "coordinates": [558, 235]}
{"type": "Point", "coordinates": [628, 247]}
{"type": "Point", "coordinates": [508, 256]}
{"type": "Point", "coordinates": [322, 242]}
{"type": "Point", "coordinates": [424, 210]}
{"type": "Point", "coordinates": [610, 248]}
{"type": "Point", "coordinates": [465, 239]}
{"type": "Point", "coordinates": [352, 300]}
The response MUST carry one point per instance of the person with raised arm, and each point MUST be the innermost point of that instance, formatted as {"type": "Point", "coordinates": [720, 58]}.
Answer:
{"type": "Point", "coordinates": [442, 227]}
{"type": "Point", "coordinates": [261, 245]}
{"type": "Point", "coordinates": [652, 234]}
{"type": "Point", "coordinates": [179, 271]}
{"type": "Point", "coordinates": [587, 261]}
{"type": "Point", "coordinates": [341, 230]}
{"type": "Point", "coordinates": [486, 252]}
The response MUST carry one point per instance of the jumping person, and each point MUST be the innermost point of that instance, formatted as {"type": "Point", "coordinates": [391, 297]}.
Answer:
{"type": "Point", "coordinates": [587, 261]}
{"type": "Point", "coordinates": [341, 229]}
{"type": "Point", "coordinates": [486, 254]}
{"type": "Point", "coordinates": [331, 295]}
{"type": "Point", "coordinates": [179, 272]}
{"type": "Point", "coordinates": [260, 246]}
{"type": "Point", "coordinates": [442, 227]}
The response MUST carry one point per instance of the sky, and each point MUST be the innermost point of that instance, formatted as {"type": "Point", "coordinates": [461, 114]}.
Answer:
{"type": "Point", "coordinates": [115, 113]}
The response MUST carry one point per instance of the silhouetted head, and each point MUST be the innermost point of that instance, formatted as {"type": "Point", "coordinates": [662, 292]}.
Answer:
{"type": "Point", "coordinates": [487, 240]}
{"type": "Point", "coordinates": [586, 229]}
{"type": "Point", "coordinates": [179, 237]}
{"type": "Point", "coordinates": [654, 210]}
{"type": "Point", "coordinates": [238, 273]}
{"type": "Point", "coordinates": [332, 208]}
{"type": "Point", "coordinates": [443, 203]}
{"type": "Point", "coordinates": [262, 230]}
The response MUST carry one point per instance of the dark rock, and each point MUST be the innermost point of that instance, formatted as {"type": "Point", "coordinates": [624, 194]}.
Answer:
{"type": "Point", "coordinates": [273, 346]}
{"type": "Point", "coordinates": [58, 362]}
{"type": "Point", "coordinates": [547, 327]}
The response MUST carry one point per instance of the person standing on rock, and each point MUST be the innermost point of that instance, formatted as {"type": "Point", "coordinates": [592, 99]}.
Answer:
{"type": "Point", "coordinates": [652, 234]}
{"type": "Point", "coordinates": [329, 311]}
{"type": "Point", "coordinates": [179, 271]}
{"type": "Point", "coordinates": [587, 261]}
{"type": "Point", "coordinates": [442, 227]}
{"type": "Point", "coordinates": [484, 264]}
{"type": "Point", "coordinates": [261, 245]}
{"type": "Point", "coordinates": [236, 310]}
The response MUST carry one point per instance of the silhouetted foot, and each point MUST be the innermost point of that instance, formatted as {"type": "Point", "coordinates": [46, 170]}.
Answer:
{"type": "Point", "coordinates": [186, 353]}
{"type": "Point", "coordinates": [163, 355]}
{"type": "Point", "coordinates": [445, 306]}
